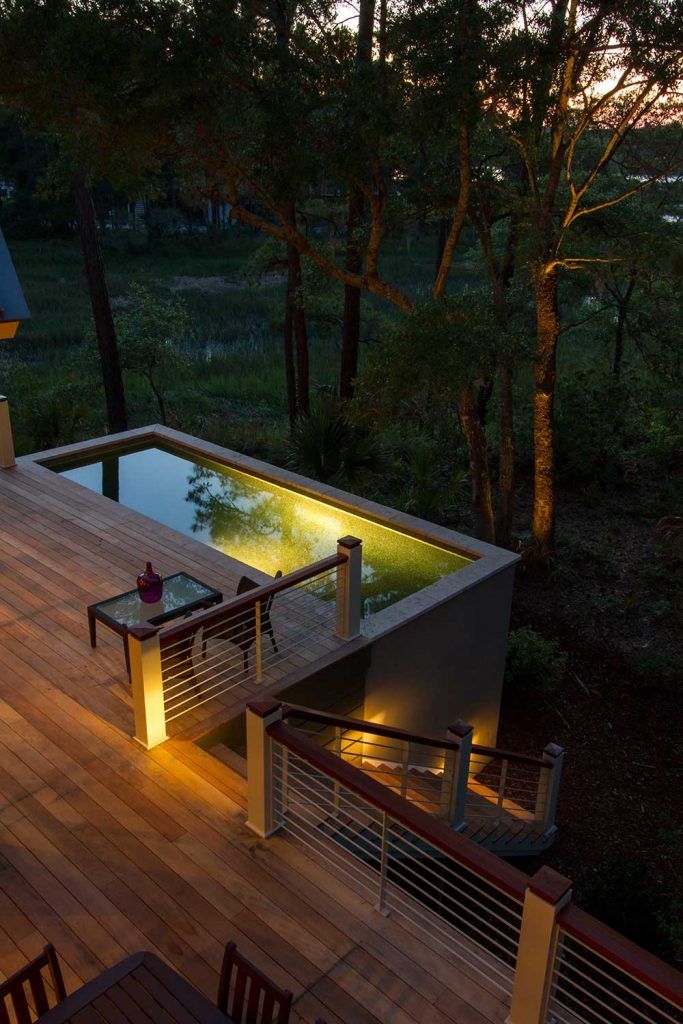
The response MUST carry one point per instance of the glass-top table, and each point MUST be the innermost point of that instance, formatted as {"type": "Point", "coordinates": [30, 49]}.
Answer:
{"type": "Point", "coordinates": [182, 595]}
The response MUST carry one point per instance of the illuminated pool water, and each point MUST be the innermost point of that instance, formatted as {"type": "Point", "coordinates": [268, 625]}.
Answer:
{"type": "Point", "coordinates": [260, 523]}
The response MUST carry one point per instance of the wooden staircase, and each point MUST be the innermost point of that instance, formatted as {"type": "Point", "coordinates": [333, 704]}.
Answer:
{"type": "Point", "coordinates": [500, 800]}
{"type": "Point", "coordinates": [506, 828]}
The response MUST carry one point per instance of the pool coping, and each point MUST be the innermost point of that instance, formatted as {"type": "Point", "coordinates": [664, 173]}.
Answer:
{"type": "Point", "coordinates": [487, 560]}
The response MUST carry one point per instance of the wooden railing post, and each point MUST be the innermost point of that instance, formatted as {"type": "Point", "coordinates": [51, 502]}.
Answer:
{"type": "Point", "coordinates": [546, 894]}
{"type": "Point", "coordinates": [144, 655]}
{"type": "Point", "coordinates": [549, 785]}
{"type": "Point", "coordinates": [260, 784]}
{"type": "Point", "coordinates": [349, 587]}
{"type": "Point", "coordinates": [461, 733]}
{"type": "Point", "coordinates": [7, 459]}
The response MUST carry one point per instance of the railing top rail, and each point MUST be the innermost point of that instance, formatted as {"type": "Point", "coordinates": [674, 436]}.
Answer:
{"type": "Point", "coordinates": [619, 950]}
{"type": "Point", "coordinates": [510, 755]}
{"type": "Point", "coordinates": [359, 725]}
{"type": "Point", "coordinates": [241, 602]}
{"type": "Point", "coordinates": [481, 862]}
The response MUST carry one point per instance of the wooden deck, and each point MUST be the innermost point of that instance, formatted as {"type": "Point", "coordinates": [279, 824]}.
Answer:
{"type": "Point", "coordinates": [106, 848]}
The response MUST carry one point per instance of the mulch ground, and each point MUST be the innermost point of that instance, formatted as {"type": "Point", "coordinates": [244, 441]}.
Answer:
{"type": "Point", "coordinates": [614, 601]}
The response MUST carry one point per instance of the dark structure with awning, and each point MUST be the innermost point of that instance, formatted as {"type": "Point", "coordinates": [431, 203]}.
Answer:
{"type": "Point", "coordinates": [13, 306]}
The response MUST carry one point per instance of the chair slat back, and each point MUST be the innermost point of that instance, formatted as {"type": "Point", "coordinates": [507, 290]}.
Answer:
{"type": "Point", "coordinates": [269, 600]}
{"type": "Point", "coordinates": [255, 999]}
{"type": "Point", "coordinates": [30, 979]}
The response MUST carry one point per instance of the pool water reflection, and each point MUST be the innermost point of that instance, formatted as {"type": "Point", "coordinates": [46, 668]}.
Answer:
{"type": "Point", "coordinates": [260, 523]}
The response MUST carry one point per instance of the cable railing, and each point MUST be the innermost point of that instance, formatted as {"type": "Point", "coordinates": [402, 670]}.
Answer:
{"type": "Point", "coordinates": [401, 860]}
{"type": "Point", "coordinates": [492, 792]}
{"type": "Point", "coordinates": [504, 786]}
{"type": "Point", "coordinates": [549, 960]}
{"type": "Point", "coordinates": [418, 768]}
{"type": "Point", "coordinates": [601, 978]}
{"type": "Point", "coordinates": [251, 639]}
{"type": "Point", "coordinates": [246, 637]}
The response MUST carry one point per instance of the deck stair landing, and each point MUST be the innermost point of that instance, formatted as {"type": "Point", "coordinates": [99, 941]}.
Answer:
{"type": "Point", "coordinates": [508, 830]}
{"type": "Point", "coordinates": [503, 801]}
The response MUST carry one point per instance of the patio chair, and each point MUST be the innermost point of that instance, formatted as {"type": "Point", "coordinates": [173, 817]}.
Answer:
{"type": "Point", "coordinates": [255, 999]}
{"type": "Point", "coordinates": [266, 624]}
{"type": "Point", "coordinates": [26, 992]}
{"type": "Point", "coordinates": [242, 631]}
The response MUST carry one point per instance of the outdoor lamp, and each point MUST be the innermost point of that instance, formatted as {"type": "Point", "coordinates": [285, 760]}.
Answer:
{"type": "Point", "coordinates": [13, 308]}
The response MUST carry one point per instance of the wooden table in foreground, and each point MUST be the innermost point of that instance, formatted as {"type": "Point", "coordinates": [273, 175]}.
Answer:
{"type": "Point", "coordinates": [139, 989]}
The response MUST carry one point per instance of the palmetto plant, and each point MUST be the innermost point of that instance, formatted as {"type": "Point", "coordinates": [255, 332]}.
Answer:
{"type": "Point", "coordinates": [325, 445]}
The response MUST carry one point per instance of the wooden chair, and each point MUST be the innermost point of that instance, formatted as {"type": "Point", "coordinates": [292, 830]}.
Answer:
{"type": "Point", "coordinates": [266, 624]}
{"type": "Point", "coordinates": [255, 999]}
{"type": "Point", "coordinates": [241, 629]}
{"type": "Point", "coordinates": [15, 994]}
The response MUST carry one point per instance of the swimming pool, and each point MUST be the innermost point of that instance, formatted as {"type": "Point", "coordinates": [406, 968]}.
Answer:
{"type": "Point", "coordinates": [261, 523]}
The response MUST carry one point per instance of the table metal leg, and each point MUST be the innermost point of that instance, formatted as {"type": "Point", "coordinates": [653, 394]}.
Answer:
{"type": "Point", "coordinates": [92, 625]}
{"type": "Point", "coordinates": [127, 656]}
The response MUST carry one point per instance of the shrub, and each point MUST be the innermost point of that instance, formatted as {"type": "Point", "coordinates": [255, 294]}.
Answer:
{"type": "Point", "coordinates": [150, 329]}
{"type": "Point", "coordinates": [326, 446]}
{"type": "Point", "coordinates": [534, 662]}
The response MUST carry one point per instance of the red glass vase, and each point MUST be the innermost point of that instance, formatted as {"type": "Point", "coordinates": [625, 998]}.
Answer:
{"type": "Point", "coordinates": [150, 585]}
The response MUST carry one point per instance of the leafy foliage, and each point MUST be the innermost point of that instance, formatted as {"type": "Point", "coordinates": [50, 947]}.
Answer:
{"type": "Point", "coordinates": [327, 446]}
{"type": "Point", "coordinates": [534, 663]}
{"type": "Point", "coordinates": [420, 367]}
{"type": "Point", "coordinates": [150, 330]}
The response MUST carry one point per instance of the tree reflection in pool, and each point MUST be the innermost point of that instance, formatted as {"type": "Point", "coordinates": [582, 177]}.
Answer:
{"type": "Point", "coordinates": [260, 523]}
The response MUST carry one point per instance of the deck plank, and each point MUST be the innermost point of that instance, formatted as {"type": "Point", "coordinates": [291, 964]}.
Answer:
{"type": "Point", "coordinates": [106, 848]}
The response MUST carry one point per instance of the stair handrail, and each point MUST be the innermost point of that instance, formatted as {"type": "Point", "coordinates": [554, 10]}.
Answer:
{"type": "Point", "coordinates": [425, 825]}
{"type": "Point", "coordinates": [622, 952]}
{"type": "Point", "coordinates": [360, 725]}
{"type": "Point", "coordinates": [389, 731]}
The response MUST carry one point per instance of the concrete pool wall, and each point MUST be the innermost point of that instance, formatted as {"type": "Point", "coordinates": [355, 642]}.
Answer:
{"type": "Point", "coordinates": [430, 658]}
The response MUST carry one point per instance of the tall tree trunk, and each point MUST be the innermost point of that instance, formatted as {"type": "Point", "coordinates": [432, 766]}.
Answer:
{"type": "Point", "coordinates": [441, 236]}
{"type": "Point", "coordinates": [353, 263]}
{"type": "Point", "coordinates": [298, 313]}
{"type": "Point", "coordinates": [548, 333]}
{"type": "Point", "coordinates": [500, 276]}
{"type": "Point", "coordinates": [482, 508]}
{"type": "Point", "coordinates": [288, 347]}
{"type": "Point", "coordinates": [101, 307]}
{"type": "Point", "coordinates": [506, 459]}
{"type": "Point", "coordinates": [459, 216]}
{"type": "Point", "coordinates": [295, 332]}
{"type": "Point", "coordinates": [351, 321]}
{"type": "Point", "coordinates": [621, 326]}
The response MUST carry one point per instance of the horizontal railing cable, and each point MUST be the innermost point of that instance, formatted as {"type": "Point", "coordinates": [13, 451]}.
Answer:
{"type": "Point", "coordinates": [242, 616]}
{"type": "Point", "coordinates": [590, 988]}
{"type": "Point", "coordinates": [403, 870]}
{"type": "Point", "coordinates": [450, 884]}
{"type": "Point", "coordinates": [270, 628]}
{"type": "Point", "coordinates": [420, 769]}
